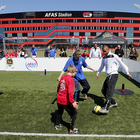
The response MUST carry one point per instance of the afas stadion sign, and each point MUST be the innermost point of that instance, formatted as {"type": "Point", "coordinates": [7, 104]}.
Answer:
{"type": "Point", "coordinates": [58, 14]}
{"type": "Point", "coordinates": [67, 14]}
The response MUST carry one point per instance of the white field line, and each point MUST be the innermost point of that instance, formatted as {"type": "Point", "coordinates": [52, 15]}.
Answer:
{"type": "Point", "coordinates": [67, 135]}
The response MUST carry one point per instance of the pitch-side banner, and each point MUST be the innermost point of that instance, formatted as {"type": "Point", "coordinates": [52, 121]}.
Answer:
{"type": "Point", "coordinates": [40, 64]}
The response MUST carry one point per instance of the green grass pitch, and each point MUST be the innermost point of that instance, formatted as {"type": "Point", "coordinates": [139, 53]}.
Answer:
{"type": "Point", "coordinates": [27, 104]}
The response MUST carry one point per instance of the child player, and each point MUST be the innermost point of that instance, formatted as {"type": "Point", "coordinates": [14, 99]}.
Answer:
{"type": "Point", "coordinates": [65, 99]}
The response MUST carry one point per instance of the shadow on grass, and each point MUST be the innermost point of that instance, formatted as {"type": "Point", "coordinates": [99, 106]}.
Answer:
{"type": "Point", "coordinates": [1, 93]}
{"type": "Point", "coordinates": [97, 99]}
{"type": "Point", "coordinates": [53, 119]}
{"type": "Point", "coordinates": [131, 80]}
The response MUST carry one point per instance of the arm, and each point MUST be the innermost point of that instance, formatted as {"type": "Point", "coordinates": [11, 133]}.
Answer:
{"type": "Point", "coordinates": [90, 53]}
{"type": "Point", "coordinates": [55, 55]}
{"type": "Point", "coordinates": [91, 68]}
{"type": "Point", "coordinates": [122, 65]}
{"type": "Point", "coordinates": [100, 69]}
{"type": "Point", "coordinates": [70, 94]}
{"type": "Point", "coordinates": [136, 54]}
{"type": "Point", "coordinates": [36, 54]}
{"type": "Point", "coordinates": [49, 55]}
{"type": "Point", "coordinates": [62, 72]}
{"type": "Point", "coordinates": [99, 53]}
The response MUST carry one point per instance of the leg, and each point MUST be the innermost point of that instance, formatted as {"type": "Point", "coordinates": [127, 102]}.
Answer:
{"type": "Point", "coordinates": [73, 114]}
{"type": "Point", "coordinates": [59, 114]}
{"type": "Point", "coordinates": [77, 91]}
{"type": "Point", "coordinates": [84, 83]}
{"type": "Point", "coordinates": [108, 90]}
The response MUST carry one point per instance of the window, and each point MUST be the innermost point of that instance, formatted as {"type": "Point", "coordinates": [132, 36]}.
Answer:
{"type": "Point", "coordinates": [76, 33]}
{"type": "Point", "coordinates": [93, 34]}
{"type": "Point", "coordinates": [30, 34]}
{"type": "Point", "coordinates": [14, 34]}
{"type": "Point", "coordinates": [114, 21]}
{"type": "Point", "coordinates": [82, 34]}
{"type": "Point", "coordinates": [23, 21]}
{"type": "Point", "coordinates": [97, 20]}
{"type": "Point", "coordinates": [9, 34]}
{"type": "Point", "coordinates": [98, 33]}
{"type": "Point", "coordinates": [80, 20]}
{"type": "Point", "coordinates": [37, 21]}
{"type": "Point", "coordinates": [19, 34]}
{"type": "Point", "coordinates": [15, 22]}
{"type": "Point", "coordinates": [103, 20]}
{"type": "Point", "coordinates": [87, 34]}
{"type": "Point", "coordinates": [4, 22]}
{"type": "Point", "coordinates": [121, 34]}
{"type": "Point", "coordinates": [24, 34]}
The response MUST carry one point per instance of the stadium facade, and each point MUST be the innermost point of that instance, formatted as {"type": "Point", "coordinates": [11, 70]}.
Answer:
{"type": "Point", "coordinates": [82, 25]}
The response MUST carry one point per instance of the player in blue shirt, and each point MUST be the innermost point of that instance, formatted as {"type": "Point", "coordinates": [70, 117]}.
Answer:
{"type": "Point", "coordinates": [78, 62]}
{"type": "Point", "coordinates": [33, 50]}
{"type": "Point", "coordinates": [52, 52]}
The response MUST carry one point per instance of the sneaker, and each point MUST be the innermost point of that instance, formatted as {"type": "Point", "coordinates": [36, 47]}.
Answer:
{"type": "Point", "coordinates": [103, 110]}
{"type": "Point", "coordinates": [113, 105]}
{"type": "Point", "coordinates": [58, 126]}
{"type": "Point", "coordinates": [75, 131]}
{"type": "Point", "coordinates": [85, 95]}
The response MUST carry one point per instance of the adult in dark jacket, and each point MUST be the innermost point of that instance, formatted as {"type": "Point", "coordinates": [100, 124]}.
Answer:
{"type": "Point", "coordinates": [2, 54]}
{"type": "Point", "coordinates": [133, 54]}
{"type": "Point", "coordinates": [46, 51]}
{"type": "Point", "coordinates": [119, 51]}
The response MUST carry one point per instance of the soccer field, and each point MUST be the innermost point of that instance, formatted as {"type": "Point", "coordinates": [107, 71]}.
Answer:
{"type": "Point", "coordinates": [28, 105]}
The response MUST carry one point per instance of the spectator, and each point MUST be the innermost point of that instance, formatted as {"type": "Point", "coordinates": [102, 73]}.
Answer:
{"type": "Point", "coordinates": [33, 50]}
{"type": "Point", "coordinates": [85, 54]}
{"type": "Point", "coordinates": [22, 52]}
{"type": "Point", "coordinates": [26, 54]}
{"type": "Point", "coordinates": [119, 51]}
{"type": "Point", "coordinates": [8, 54]}
{"type": "Point", "coordinates": [14, 53]}
{"type": "Point", "coordinates": [46, 51]}
{"type": "Point", "coordinates": [76, 48]}
{"type": "Point", "coordinates": [2, 54]}
{"type": "Point", "coordinates": [52, 52]}
{"type": "Point", "coordinates": [63, 52]}
{"type": "Point", "coordinates": [133, 54]}
{"type": "Point", "coordinates": [18, 52]}
{"type": "Point", "coordinates": [95, 52]}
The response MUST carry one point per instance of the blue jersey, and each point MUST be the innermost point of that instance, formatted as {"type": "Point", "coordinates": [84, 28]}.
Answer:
{"type": "Point", "coordinates": [33, 50]}
{"type": "Point", "coordinates": [78, 64]}
{"type": "Point", "coordinates": [52, 52]}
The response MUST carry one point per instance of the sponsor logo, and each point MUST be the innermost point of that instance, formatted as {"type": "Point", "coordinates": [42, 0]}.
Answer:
{"type": "Point", "coordinates": [9, 62]}
{"type": "Point", "coordinates": [58, 14]}
{"type": "Point", "coordinates": [31, 64]}
{"type": "Point", "coordinates": [107, 35]}
{"type": "Point", "coordinates": [62, 85]}
{"type": "Point", "coordinates": [87, 14]}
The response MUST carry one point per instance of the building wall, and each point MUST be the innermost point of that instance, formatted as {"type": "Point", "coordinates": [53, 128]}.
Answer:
{"type": "Point", "coordinates": [69, 24]}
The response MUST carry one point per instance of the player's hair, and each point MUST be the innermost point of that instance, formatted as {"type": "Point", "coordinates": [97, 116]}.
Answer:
{"type": "Point", "coordinates": [77, 52]}
{"type": "Point", "coordinates": [71, 69]}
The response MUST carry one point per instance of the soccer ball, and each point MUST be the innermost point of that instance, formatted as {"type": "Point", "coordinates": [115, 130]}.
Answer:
{"type": "Point", "coordinates": [97, 108]}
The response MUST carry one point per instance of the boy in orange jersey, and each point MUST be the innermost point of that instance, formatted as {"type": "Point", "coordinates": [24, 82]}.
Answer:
{"type": "Point", "coordinates": [65, 99]}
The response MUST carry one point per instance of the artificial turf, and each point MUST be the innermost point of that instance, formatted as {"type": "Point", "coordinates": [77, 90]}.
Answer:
{"type": "Point", "coordinates": [28, 104]}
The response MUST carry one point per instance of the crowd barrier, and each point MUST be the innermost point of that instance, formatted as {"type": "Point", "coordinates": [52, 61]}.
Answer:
{"type": "Point", "coordinates": [134, 68]}
{"type": "Point", "coordinates": [57, 64]}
